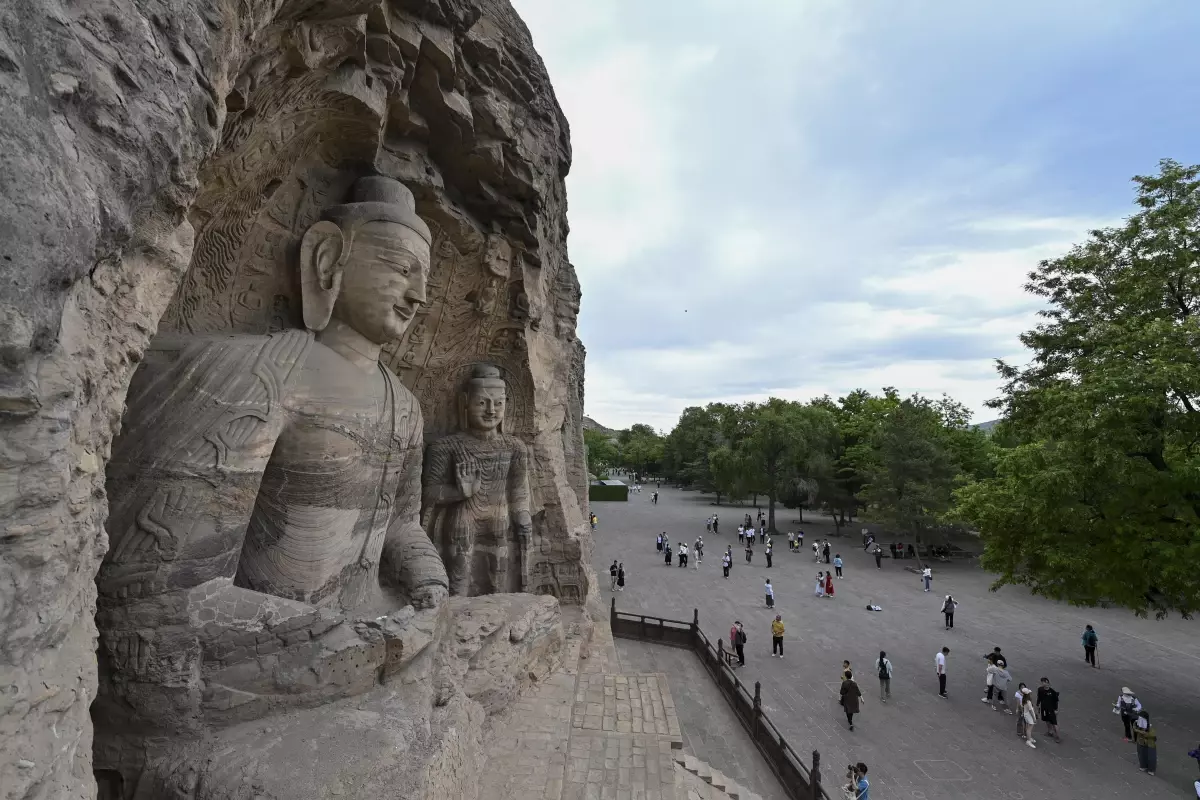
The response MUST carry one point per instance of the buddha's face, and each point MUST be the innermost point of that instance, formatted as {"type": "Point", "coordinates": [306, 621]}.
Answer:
{"type": "Point", "coordinates": [384, 281]}
{"type": "Point", "coordinates": [485, 407]}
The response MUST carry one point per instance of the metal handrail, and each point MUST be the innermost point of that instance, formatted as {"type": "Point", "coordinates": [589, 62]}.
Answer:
{"type": "Point", "coordinates": [746, 706]}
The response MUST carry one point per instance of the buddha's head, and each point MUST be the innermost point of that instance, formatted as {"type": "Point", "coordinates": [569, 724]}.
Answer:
{"type": "Point", "coordinates": [366, 262]}
{"type": "Point", "coordinates": [483, 400]}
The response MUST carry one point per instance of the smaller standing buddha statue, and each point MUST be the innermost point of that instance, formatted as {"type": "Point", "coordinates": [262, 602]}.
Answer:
{"type": "Point", "coordinates": [476, 493]}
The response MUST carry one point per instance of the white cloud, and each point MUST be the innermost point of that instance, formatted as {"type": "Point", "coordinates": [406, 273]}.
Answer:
{"type": "Point", "coordinates": [808, 198]}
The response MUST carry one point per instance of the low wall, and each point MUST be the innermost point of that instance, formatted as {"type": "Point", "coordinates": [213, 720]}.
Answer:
{"type": "Point", "coordinates": [799, 781]}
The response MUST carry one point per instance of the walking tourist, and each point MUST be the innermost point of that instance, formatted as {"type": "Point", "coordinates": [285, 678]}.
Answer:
{"type": "Point", "coordinates": [837, 564]}
{"type": "Point", "coordinates": [999, 678]}
{"type": "Point", "coordinates": [883, 667]}
{"type": "Point", "coordinates": [791, 541]}
{"type": "Point", "coordinates": [658, 545]}
{"type": "Point", "coordinates": [716, 522]}
{"type": "Point", "coordinates": [654, 498]}
{"type": "Point", "coordinates": [927, 576]}
{"type": "Point", "coordinates": [741, 534]}
{"type": "Point", "coordinates": [799, 540]}
{"type": "Point", "coordinates": [1030, 718]}
{"type": "Point", "coordinates": [829, 584]}
{"type": "Point", "coordinates": [825, 550]}
{"type": "Point", "coordinates": [751, 535]}
{"type": "Point", "coordinates": [777, 635]}
{"type": "Point", "coordinates": [993, 658]}
{"type": "Point", "coordinates": [683, 554]}
{"type": "Point", "coordinates": [699, 549]}
{"type": "Point", "coordinates": [816, 552]}
{"type": "Point", "coordinates": [1090, 641]}
{"type": "Point", "coordinates": [668, 554]}
{"type": "Point", "coordinates": [612, 576]}
{"type": "Point", "coordinates": [948, 606]}
{"type": "Point", "coordinates": [1128, 707]}
{"type": "Point", "coordinates": [1047, 706]}
{"type": "Point", "coordinates": [820, 590]}
{"type": "Point", "coordinates": [845, 669]}
{"type": "Point", "coordinates": [1146, 739]}
{"type": "Point", "coordinates": [749, 551]}
{"type": "Point", "coordinates": [738, 638]}
{"type": "Point", "coordinates": [767, 552]}
{"type": "Point", "coordinates": [594, 520]}
{"type": "Point", "coordinates": [770, 593]}
{"type": "Point", "coordinates": [708, 524]}
{"type": "Point", "coordinates": [878, 551]}
{"type": "Point", "coordinates": [851, 695]}
{"type": "Point", "coordinates": [939, 662]}
{"type": "Point", "coordinates": [726, 563]}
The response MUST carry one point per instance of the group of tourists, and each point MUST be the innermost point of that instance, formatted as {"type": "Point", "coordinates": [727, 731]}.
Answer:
{"type": "Point", "coordinates": [663, 545]}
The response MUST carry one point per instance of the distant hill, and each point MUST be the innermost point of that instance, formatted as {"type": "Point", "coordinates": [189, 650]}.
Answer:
{"type": "Point", "coordinates": [986, 427]}
{"type": "Point", "coordinates": [590, 424]}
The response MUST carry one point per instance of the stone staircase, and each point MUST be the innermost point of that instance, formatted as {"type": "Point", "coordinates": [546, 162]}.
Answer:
{"type": "Point", "coordinates": [697, 780]}
{"type": "Point", "coordinates": [592, 730]}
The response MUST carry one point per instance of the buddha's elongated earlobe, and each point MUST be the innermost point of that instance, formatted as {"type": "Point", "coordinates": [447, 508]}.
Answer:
{"type": "Point", "coordinates": [323, 253]}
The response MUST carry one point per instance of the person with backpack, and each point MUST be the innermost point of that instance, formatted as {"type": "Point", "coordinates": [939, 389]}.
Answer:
{"type": "Point", "coordinates": [884, 668]}
{"type": "Point", "coordinates": [1128, 707]}
{"type": "Point", "coordinates": [948, 606]}
{"type": "Point", "coordinates": [1090, 640]}
{"type": "Point", "coordinates": [777, 634]}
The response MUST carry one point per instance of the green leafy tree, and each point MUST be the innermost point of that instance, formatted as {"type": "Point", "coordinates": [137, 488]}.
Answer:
{"type": "Point", "coordinates": [687, 447]}
{"type": "Point", "coordinates": [601, 452]}
{"type": "Point", "coordinates": [640, 449]}
{"type": "Point", "coordinates": [909, 464]}
{"type": "Point", "coordinates": [1097, 497]}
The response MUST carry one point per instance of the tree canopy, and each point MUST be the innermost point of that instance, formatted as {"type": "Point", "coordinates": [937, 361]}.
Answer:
{"type": "Point", "coordinates": [1096, 497]}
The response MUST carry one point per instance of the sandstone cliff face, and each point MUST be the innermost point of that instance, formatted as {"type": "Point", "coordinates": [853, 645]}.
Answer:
{"type": "Point", "coordinates": [157, 158]}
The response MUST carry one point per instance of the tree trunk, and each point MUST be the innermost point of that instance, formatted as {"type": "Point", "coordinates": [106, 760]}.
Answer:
{"type": "Point", "coordinates": [771, 513]}
{"type": "Point", "coordinates": [800, 511]}
{"type": "Point", "coordinates": [837, 523]}
{"type": "Point", "coordinates": [718, 498]}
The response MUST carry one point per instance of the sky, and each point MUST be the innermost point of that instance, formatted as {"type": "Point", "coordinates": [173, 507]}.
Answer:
{"type": "Point", "coordinates": [794, 198]}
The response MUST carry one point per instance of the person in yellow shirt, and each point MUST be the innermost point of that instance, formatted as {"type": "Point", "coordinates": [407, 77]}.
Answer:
{"type": "Point", "coordinates": [777, 636]}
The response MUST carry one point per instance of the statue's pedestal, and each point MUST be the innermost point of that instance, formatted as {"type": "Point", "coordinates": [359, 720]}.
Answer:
{"type": "Point", "coordinates": [417, 734]}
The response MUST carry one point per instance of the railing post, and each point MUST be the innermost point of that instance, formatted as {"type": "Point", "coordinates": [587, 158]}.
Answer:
{"type": "Point", "coordinates": [695, 628]}
{"type": "Point", "coordinates": [815, 776]}
{"type": "Point", "coordinates": [612, 615]}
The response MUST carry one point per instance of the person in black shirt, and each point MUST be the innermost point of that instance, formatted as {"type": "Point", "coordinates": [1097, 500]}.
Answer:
{"type": "Point", "coordinates": [1047, 704]}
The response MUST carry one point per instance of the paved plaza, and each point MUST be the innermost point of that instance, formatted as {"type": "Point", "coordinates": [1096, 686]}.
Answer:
{"type": "Point", "coordinates": [918, 745]}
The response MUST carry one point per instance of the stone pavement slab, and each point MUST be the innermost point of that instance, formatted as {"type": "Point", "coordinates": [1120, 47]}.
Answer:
{"type": "Point", "coordinates": [919, 746]}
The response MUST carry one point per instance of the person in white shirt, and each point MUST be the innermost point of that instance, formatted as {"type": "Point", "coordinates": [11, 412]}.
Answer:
{"type": "Point", "coordinates": [683, 554]}
{"type": "Point", "coordinates": [940, 662]}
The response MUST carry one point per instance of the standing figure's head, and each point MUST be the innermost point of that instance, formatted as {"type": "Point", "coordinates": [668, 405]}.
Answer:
{"type": "Point", "coordinates": [483, 400]}
{"type": "Point", "coordinates": [366, 262]}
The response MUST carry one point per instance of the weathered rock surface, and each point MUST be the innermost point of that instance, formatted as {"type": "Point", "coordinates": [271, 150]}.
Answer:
{"type": "Point", "coordinates": [168, 153]}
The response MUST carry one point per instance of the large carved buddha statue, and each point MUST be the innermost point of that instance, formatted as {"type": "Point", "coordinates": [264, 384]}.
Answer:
{"type": "Point", "coordinates": [265, 492]}
{"type": "Point", "coordinates": [476, 497]}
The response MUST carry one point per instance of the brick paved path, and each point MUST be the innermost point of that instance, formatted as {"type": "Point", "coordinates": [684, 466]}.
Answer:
{"type": "Point", "coordinates": [920, 746]}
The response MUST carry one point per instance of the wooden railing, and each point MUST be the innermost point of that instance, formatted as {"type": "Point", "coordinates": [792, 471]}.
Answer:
{"type": "Point", "coordinates": [799, 781]}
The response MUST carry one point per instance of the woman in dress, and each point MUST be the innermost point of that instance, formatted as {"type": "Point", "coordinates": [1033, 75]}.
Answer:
{"type": "Point", "coordinates": [829, 584]}
{"type": "Point", "coordinates": [820, 590]}
{"type": "Point", "coordinates": [621, 577]}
